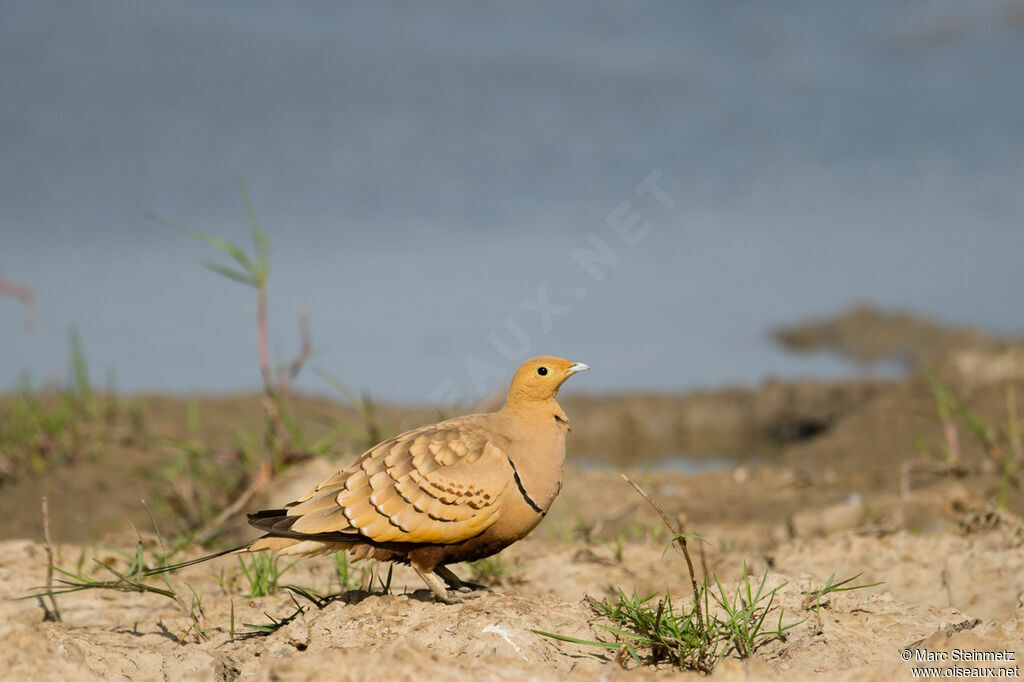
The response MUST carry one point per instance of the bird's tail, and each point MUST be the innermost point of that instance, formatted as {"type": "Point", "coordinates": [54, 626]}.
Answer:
{"type": "Point", "coordinates": [280, 540]}
{"type": "Point", "coordinates": [183, 564]}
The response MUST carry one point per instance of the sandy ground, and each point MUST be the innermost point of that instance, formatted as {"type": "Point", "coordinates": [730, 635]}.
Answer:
{"type": "Point", "coordinates": [822, 480]}
{"type": "Point", "coordinates": [957, 586]}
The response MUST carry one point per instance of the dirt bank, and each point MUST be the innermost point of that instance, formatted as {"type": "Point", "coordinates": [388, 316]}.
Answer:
{"type": "Point", "coordinates": [913, 483]}
{"type": "Point", "coordinates": [957, 586]}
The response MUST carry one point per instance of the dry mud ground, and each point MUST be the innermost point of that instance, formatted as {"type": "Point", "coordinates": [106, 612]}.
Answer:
{"type": "Point", "coordinates": [956, 586]}
{"type": "Point", "coordinates": [855, 491]}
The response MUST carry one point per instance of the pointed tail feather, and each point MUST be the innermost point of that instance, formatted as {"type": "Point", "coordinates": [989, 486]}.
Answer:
{"type": "Point", "coordinates": [183, 564]}
{"type": "Point", "coordinates": [277, 525]}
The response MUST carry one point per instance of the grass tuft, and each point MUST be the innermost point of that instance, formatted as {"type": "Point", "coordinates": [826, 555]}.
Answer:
{"type": "Point", "coordinates": [348, 578]}
{"type": "Point", "coordinates": [46, 427]}
{"type": "Point", "coordinates": [299, 608]}
{"type": "Point", "coordinates": [1003, 446]}
{"type": "Point", "coordinates": [695, 636]}
{"type": "Point", "coordinates": [490, 570]}
{"type": "Point", "coordinates": [813, 598]}
{"type": "Point", "coordinates": [649, 631]}
{"type": "Point", "coordinates": [263, 573]}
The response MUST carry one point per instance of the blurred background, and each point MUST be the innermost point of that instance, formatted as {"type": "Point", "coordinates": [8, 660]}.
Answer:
{"type": "Point", "coordinates": [422, 171]}
{"type": "Point", "coordinates": [680, 195]}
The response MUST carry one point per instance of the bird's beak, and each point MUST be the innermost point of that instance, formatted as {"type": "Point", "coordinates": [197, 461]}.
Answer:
{"type": "Point", "coordinates": [578, 367]}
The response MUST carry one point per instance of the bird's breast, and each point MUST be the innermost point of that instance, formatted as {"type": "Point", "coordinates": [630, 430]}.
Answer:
{"type": "Point", "coordinates": [537, 471]}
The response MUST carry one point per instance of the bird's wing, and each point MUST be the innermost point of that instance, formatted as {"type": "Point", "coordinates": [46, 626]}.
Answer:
{"type": "Point", "coordinates": [437, 484]}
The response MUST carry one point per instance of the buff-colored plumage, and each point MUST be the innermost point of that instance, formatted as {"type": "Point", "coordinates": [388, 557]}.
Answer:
{"type": "Point", "coordinates": [455, 491]}
{"type": "Point", "coordinates": [439, 483]}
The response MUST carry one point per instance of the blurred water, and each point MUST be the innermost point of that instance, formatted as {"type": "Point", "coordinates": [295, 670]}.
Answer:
{"type": "Point", "coordinates": [422, 170]}
{"type": "Point", "coordinates": [676, 462]}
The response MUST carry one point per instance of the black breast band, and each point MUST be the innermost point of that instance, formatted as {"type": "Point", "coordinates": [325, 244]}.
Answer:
{"type": "Point", "coordinates": [522, 490]}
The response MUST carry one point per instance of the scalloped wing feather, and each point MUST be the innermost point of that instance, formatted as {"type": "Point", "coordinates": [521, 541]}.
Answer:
{"type": "Point", "coordinates": [437, 484]}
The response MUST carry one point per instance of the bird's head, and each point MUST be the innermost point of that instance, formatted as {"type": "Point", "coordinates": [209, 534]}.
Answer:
{"type": "Point", "coordinates": [538, 379]}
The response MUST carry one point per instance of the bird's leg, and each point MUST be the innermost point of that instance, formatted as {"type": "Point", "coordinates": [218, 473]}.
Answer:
{"type": "Point", "coordinates": [456, 583]}
{"type": "Point", "coordinates": [437, 587]}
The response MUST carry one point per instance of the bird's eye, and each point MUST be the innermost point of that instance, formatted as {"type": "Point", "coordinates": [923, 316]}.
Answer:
{"type": "Point", "coordinates": [543, 371]}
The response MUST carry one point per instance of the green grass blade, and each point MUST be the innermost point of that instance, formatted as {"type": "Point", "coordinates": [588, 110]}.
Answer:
{"type": "Point", "coordinates": [230, 273]}
{"type": "Point", "coordinates": [216, 242]}
{"type": "Point", "coordinates": [80, 369]}
{"type": "Point", "coordinates": [622, 633]}
{"type": "Point", "coordinates": [261, 245]}
{"type": "Point", "coordinates": [573, 640]}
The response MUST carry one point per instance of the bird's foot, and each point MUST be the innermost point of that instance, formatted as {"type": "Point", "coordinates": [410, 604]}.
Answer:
{"type": "Point", "coordinates": [438, 588]}
{"type": "Point", "coordinates": [456, 596]}
{"type": "Point", "coordinates": [454, 582]}
{"type": "Point", "coordinates": [471, 587]}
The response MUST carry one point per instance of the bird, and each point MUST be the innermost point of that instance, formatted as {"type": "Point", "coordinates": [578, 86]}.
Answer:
{"type": "Point", "coordinates": [458, 490]}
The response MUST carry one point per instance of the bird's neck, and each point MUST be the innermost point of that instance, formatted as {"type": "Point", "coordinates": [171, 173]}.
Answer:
{"type": "Point", "coordinates": [534, 409]}
{"type": "Point", "coordinates": [539, 452]}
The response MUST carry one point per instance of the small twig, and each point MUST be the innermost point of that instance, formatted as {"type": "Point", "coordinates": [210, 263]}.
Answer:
{"type": "Point", "coordinates": [703, 561]}
{"type": "Point", "coordinates": [946, 401]}
{"type": "Point", "coordinates": [952, 440]}
{"type": "Point", "coordinates": [288, 374]}
{"type": "Point", "coordinates": [610, 518]}
{"type": "Point", "coordinates": [906, 466]}
{"type": "Point", "coordinates": [260, 479]}
{"type": "Point", "coordinates": [276, 386]}
{"type": "Point", "coordinates": [369, 412]}
{"type": "Point", "coordinates": [23, 294]}
{"type": "Point", "coordinates": [680, 540]}
{"type": "Point", "coordinates": [1013, 427]}
{"type": "Point", "coordinates": [362, 402]}
{"type": "Point", "coordinates": [261, 336]}
{"type": "Point", "coordinates": [53, 613]}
